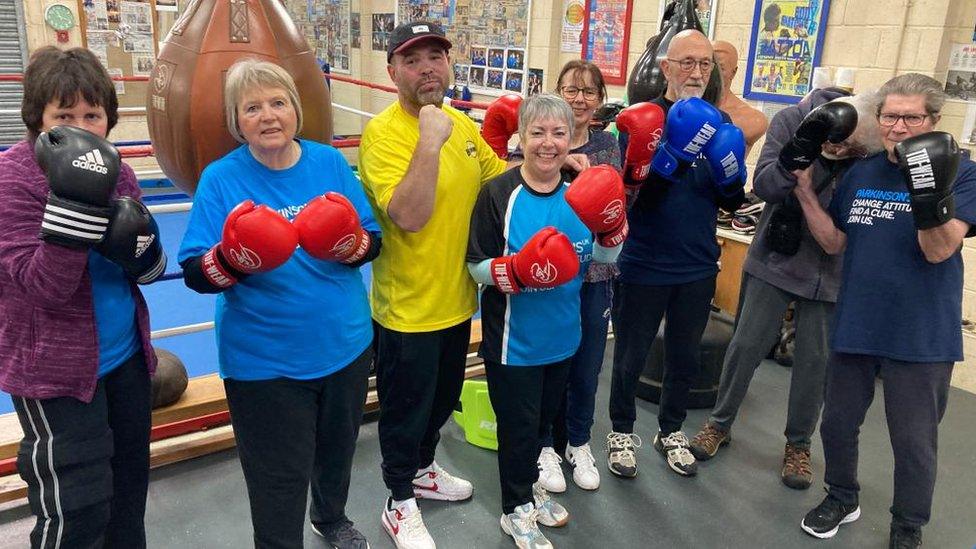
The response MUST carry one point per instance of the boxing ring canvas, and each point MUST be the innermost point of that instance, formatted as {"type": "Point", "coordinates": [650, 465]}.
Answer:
{"type": "Point", "coordinates": [786, 44]}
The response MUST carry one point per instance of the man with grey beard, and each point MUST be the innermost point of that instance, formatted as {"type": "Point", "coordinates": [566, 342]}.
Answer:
{"type": "Point", "coordinates": [670, 260]}
{"type": "Point", "coordinates": [422, 165]}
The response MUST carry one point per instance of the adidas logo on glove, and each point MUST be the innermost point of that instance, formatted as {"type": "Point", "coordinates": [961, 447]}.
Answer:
{"type": "Point", "coordinates": [91, 161]}
{"type": "Point", "coordinates": [143, 242]}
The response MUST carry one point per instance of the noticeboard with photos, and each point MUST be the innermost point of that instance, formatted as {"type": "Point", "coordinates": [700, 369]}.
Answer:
{"type": "Point", "coordinates": [123, 34]}
{"type": "Point", "coordinates": [490, 39]}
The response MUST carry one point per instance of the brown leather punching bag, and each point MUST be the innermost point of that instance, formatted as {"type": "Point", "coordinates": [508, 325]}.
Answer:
{"type": "Point", "coordinates": [185, 103]}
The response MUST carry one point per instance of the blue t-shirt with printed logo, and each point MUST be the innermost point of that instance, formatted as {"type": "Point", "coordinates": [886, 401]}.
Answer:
{"type": "Point", "coordinates": [893, 303]}
{"type": "Point", "coordinates": [306, 319]}
{"type": "Point", "coordinates": [537, 326]}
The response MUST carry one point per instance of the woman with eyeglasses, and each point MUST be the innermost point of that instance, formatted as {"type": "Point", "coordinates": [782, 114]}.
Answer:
{"type": "Point", "coordinates": [581, 84]}
{"type": "Point", "coordinates": [898, 218]}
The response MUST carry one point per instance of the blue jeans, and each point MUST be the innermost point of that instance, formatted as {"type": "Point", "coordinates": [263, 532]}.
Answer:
{"type": "Point", "coordinates": [575, 417]}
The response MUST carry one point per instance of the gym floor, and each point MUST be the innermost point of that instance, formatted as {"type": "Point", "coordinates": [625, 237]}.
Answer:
{"type": "Point", "coordinates": [736, 500]}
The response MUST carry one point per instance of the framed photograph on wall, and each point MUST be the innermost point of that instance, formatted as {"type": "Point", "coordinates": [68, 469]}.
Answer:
{"type": "Point", "coordinates": [786, 43]}
{"type": "Point", "coordinates": [606, 34]}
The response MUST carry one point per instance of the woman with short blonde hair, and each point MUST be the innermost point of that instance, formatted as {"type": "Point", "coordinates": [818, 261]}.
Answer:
{"type": "Point", "coordinates": [294, 333]}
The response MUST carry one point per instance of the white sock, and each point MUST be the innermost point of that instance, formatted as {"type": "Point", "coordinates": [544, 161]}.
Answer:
{"type": "Point", "coordinates": [398, 502]}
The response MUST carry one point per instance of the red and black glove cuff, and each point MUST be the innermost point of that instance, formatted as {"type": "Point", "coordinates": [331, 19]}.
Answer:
{"type": "Point", "coordinates": [615, 237]}
{"type": "Point", "coordinates": [216, 270]}
{"type": "Point", "coordinates": [503, 275]}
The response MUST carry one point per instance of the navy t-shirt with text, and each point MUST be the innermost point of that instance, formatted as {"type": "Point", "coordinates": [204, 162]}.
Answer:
{"type": "Point", "coordinates": [893, 303]}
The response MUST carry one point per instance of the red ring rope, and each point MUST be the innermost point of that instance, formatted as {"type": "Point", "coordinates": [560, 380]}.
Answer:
{"type": "Point", "coordinates": [454, 102]}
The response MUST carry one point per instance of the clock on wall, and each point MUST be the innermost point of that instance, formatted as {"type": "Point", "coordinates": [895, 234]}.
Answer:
{"type": "Point", "coordinates": [59, 17]}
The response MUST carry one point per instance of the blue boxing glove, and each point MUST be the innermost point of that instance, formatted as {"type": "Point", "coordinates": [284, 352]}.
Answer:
{"type": "Point", "coordinates": [691, 124]}
{"type": "Point", "coordinates": [726, 153]}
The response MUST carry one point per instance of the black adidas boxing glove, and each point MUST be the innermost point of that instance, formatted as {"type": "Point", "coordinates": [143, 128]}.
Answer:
{"type": "Point", "coordinates": [929, 163]}
{"type": "Point", "coordinates": [132, 241]}
{"type": "Point", "coordinates": [834, 122]}
{"type": "Point", "coordinates": [82, 170]}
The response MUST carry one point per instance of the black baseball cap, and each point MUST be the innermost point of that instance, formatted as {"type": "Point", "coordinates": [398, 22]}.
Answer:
{"type": "Point", "coordinates": [413, 32]}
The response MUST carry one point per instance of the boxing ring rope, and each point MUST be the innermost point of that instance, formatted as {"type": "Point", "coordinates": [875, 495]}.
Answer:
{"type": "Point", "coordinates": [180, 330]}
{"type": "Point", "coordinates": [338, 78]}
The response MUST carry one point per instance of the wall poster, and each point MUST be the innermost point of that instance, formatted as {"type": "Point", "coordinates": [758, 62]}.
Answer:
{"type": "Point", "coordinates": [326, 25]}
{"type": "Point", "coordinates": [383, 25]}
{"type": "Point", "coordinates": [786, 43]}
{"type": "Point", "coordinates": [606, 33]}
{"type": "Point", "coordinates": [490, 39]}
{"type": "Point", "coordinates": [960, 81]}
{"type": "Point", "coordinates": [571, 34]}
{"type": "Point", "coordinates": [706, 10]}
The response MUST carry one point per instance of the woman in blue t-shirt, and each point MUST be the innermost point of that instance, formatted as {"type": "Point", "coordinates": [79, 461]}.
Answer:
{"type": "Point", "coordinates": [527, 243]}
{"type": "Point", "coordinates": [898, 218]}
{"type": "Point", "coordinates": [293, 325]}
{"type": "Point", "coordinates": [581, 84]}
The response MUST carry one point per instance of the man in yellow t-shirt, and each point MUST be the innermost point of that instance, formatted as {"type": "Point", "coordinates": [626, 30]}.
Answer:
{"type": "Point", "coordinates": [422, 164]}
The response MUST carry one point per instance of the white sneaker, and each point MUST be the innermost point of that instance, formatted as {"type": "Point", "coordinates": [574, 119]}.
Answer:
{"type": "Point", "coordinates": [550, 513]}
{"type": "Point", "coordinates": [405, 525]}
{"type": "Point", "coordinates": [436, 483]}
{"type": "Point", "coordinates": [550, 473]}
{"type": "Point", "coordinates": [522, 526]}
{"type": "Point", "coordinates": [585, 473]}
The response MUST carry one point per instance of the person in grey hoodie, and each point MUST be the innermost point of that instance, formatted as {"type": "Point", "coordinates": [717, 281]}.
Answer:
{"type": "Point", "coordinates": [785, 264]}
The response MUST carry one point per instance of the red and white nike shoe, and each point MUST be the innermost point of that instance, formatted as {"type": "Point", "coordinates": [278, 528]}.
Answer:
{"type": "Point", "coordinates": [405, 525]}
{"type": "Point", "coordinates": [436, 483]}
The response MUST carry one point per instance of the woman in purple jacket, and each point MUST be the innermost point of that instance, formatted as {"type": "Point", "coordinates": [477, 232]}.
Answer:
{"type": "Point", "coordinates": [74, 328]}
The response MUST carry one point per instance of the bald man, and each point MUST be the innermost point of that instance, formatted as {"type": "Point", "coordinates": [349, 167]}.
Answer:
{"type": "Point", "coordinates": [668, 265]}
{"type": "Point", "coordinates": [751, 121]}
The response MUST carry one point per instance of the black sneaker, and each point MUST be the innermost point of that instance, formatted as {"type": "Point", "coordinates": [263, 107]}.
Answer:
{"type": "Point", "coordinates": [341, 535]}
{"type": "Point", "coordinates": [904, 538]}
{"type": "Point", "coordinates": [621, 457]}
{"type": "Point", "coordinates": [676, 451]}
{"type": "Point", "coordinates": [824, 520]}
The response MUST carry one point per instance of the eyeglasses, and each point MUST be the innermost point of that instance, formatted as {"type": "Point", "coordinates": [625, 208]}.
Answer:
{"type": "Point", "coordinates": [911, 120]}
{"type": "Point", "coordinates": [570, 92]}
{"type": "Point", "coordinates": [688, 65]}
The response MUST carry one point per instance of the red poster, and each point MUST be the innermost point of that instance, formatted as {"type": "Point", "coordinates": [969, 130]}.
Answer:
{"type": "Point", "coordinates": [606, 33]}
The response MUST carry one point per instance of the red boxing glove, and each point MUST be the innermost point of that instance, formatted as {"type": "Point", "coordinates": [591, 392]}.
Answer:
{"type": "Point", "coordinates": [256, 239]}
{"type": "Point", "coordinates": [501, 122]}
{"type": "Point", "coordinates": [547, 260]}
{"type": "Point", "coordinates": [644, 124]}
{"type": "Point", "coordinates": [597, 197]}
{"type": "Point", "coordinates": [328, 228]}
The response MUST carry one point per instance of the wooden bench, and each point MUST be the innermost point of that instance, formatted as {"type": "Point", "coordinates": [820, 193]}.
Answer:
{"type": "Point", "coordinates": [195, 425]}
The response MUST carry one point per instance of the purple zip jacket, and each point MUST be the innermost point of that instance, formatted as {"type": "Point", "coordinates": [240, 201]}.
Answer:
{"type": "Point", "coordinates": [48, 339]}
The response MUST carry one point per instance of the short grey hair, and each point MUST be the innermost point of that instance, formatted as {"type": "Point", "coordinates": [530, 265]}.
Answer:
{"type": "Point", "coordinates": [250, 74]}
{"type": "Point", "coordinates": [914, 83]}
{"type": "Point", "coordinates": [543, 106]}
{"type": "Point", "coordinates": [867, 134]}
